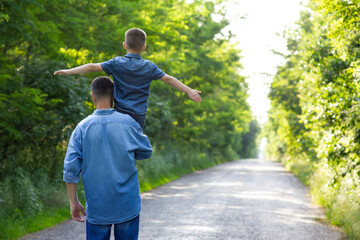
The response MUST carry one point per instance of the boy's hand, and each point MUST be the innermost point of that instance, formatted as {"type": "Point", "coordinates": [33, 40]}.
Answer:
{"type": "Point", "coordinates": [62, 72]}
{"type": "Point", "coordinates": [194, 95]}
{"type": "Point", "coordinates": [75, 210]}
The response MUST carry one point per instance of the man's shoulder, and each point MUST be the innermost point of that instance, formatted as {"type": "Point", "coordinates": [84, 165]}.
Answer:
{"type": "Point", "coordinates": [86, 121]}
{"type": "Point", "coordinates": [114, 118]}
{"type": "Point", "coordinates": [127, 120]}
{"type": "Point", "coordinates": [124, 118]}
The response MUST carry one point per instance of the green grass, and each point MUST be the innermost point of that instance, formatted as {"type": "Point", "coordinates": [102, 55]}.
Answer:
{"type": "Point", "coordinates": [14, 228]}
{"type": "Point", "coordinates": [301, 169]}
{"type": "Point", "coordinates": [147, 186]}
{"type": "Point", "coordinates": [31, 202]}
{"type": "Point", "coordinates": [341, 201]}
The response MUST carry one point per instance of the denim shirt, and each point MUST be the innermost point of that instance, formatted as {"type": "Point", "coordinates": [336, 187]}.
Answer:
{"type": "Point", "coordinates": [132, 77]}
{"type": "Point", "coordinates": [103, 147]}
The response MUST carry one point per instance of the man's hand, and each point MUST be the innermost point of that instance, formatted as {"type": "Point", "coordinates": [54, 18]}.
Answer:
{"type": "Point", "coordinates": [75, 210]}
{"type": "Point", "coordinates": [62, 72]}
{"type": "Point", "coordinates": [75, 206]}
{"type": "Point", "coordinates": [194, 95]}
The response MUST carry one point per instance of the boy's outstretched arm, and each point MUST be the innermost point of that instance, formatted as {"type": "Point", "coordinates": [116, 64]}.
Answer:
{"type": "Point", "coordinates": [193, 94]}
{"type": "Point", "coordinates": [90, 67]}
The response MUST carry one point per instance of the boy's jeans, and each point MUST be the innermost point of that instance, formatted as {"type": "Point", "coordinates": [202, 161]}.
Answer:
{"type": "Point", "coordinates": [122, 231]}
{"type": "Point", "coordinates": [139, 118]}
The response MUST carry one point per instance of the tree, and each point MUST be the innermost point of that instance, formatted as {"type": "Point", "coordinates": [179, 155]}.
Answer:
{"type": "Point", "coordinates": [314, 114]}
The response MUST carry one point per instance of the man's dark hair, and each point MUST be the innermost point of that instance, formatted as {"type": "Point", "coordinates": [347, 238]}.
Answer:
{"type": "Point", "coordinates": [102, 87]}
{"type": "Point", "coordinates": [135, 39]}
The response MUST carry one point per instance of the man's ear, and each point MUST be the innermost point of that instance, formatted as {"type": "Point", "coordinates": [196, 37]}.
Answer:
{"type": "Point", "coordinates": [143, 48]}
{"type": "Point", "coordinates": [124, 46]}
{"type": "Point", "coordinates": [93, 97]}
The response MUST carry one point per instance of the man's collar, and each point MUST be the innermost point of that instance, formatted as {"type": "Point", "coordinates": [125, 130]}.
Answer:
{"type": "Point", "coordinates": [103, 111]}
{"type": "Point", "coordinates": [133, 55]}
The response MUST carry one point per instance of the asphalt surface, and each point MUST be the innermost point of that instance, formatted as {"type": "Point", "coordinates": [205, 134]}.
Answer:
{"type": "Point", "coordinates": [246, 199]}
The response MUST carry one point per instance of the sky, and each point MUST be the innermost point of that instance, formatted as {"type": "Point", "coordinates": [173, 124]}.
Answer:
{"type": "Point", "coordinates": [258, 26]}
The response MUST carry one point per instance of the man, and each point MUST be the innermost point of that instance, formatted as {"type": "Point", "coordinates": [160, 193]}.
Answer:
{"type": "Point", "coordinates": [103, 147]}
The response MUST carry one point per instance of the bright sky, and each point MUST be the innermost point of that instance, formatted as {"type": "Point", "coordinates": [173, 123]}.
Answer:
{"type": "Point", "coordinates": [257, 36]}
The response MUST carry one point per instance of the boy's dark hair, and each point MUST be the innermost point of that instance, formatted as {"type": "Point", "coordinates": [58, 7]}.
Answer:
{"type": "Point", "coordinates": [135, 39]}
{"type": "Point", "coordinates": [102, 87]}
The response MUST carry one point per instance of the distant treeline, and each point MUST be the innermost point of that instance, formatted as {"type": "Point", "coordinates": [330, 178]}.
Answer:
{"type": "Point", "coordinates": [39, 111]}
{"type": "Point", "coordinates": [314, 121]}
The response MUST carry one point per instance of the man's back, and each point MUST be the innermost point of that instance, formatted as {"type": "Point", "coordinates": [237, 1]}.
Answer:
{"type": "Point", "coordinates": [104, 146]}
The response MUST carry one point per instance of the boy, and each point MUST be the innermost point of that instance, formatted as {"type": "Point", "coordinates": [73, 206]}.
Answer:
{"type": "Point", "coordinates": [132, 76]}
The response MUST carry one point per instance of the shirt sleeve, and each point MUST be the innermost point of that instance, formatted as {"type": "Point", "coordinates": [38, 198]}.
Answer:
{"type": "Point", "coordinates": [108, 66]}
{"type": "Point", "coordinates": [144, 148]}
{"type": "Point", "coordinates": [157, 73]}
{"type": "Point", "coordinates": [73, 158]}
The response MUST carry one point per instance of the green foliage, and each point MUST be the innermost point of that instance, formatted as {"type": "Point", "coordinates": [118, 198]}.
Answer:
{"type": "Point", "coordinates": [30, 202]}
{"type": "Point", "coordinates": [313, 125]}
{"type": "Point", "coordinates": [47, 217]}
{"type": "Point", "coordinates": [248, 145]}
{"type": "Point", "coordinates": [38, 111]}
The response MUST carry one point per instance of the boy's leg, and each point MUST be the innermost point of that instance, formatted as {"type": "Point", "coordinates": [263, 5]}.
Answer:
{"type": "Point", "coordinates": [140, 119]}
{"type": "Point", "coordinates": [97, 232]}
{"type": "Point", "coordinates": [127, 230]}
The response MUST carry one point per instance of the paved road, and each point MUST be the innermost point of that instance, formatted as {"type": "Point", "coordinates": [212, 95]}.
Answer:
{"type": "Point", "coordinates": [246, 199]}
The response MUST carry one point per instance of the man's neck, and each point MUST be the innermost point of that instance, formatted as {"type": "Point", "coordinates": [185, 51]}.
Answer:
{"type": "Point", "coordinates": [133, 52]}
{"type": "Point", "coordinates": [102, 105]}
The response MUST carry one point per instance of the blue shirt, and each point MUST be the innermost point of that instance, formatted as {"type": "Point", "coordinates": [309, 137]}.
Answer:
{"type": "Point", "coordinates": [132, 77]}
{"type": "Point", "coordinates": [103, 147]}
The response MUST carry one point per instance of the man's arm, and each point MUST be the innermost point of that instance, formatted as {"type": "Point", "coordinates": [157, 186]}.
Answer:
{"type": "Point", "coordinates": [193, 94]}
{"type": "Point", "coordinates": [144, 148]}
{"type": "Point", "coordinates": [75, 206]}
{"type": "Point", "coordinates": [90, 67]}
{"type": "Point", "coordinates": [71, 174]}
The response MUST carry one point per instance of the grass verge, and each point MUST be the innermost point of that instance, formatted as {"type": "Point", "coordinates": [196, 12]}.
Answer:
{"type": "Point", "coordinates": [341, 201]}
{"type": "Point", "coordinates": [14, 228]}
